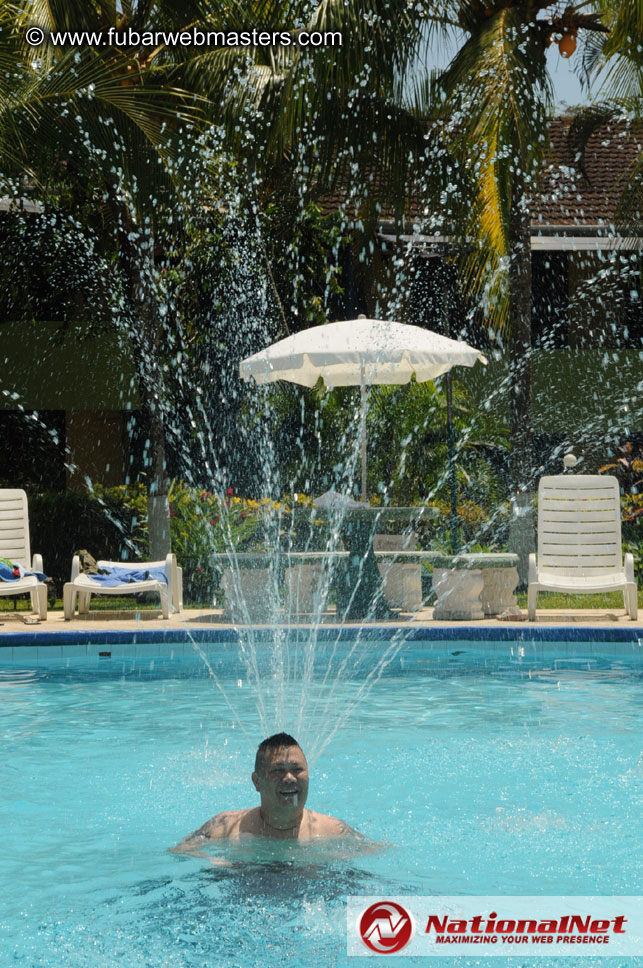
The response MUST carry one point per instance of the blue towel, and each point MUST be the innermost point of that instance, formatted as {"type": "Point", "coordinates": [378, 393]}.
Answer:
{"type": "Point", "coordinates": [6, 573]}
{"type": "Point", "coordinates": [128, 576]}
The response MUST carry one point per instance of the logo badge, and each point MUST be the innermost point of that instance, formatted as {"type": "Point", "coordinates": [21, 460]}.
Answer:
{"type": "Point", "coordinates": [385, 927]}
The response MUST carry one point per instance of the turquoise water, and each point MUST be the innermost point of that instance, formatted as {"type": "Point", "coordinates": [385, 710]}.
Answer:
{"type": "Point", "coordinates": [480, 777]}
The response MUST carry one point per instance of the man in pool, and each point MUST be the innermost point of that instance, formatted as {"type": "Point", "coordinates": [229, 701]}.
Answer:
{"type": "Point", "coordinates": [281, 779]}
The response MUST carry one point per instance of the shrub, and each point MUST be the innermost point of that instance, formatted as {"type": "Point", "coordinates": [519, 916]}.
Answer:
{"type": "Point", "coordinates": [203, 524]}
{"type": "Point", "coordinates": [62, 522]}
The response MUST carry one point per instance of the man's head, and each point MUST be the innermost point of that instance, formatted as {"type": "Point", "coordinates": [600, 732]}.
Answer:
{"type": "Point", "coordinates": [281, 778]}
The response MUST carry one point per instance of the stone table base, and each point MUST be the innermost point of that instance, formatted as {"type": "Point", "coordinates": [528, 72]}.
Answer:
{"type": "Point", "coordinates": [474, 586]}
{"type": "Point", "coordinates": [252, 597]}
{"type": "Point", "coordinates": [458, 594]}
{"type": "Point", "coordinates": [498, 591]}
{"type": "Point", "coordinates": [303, 587]}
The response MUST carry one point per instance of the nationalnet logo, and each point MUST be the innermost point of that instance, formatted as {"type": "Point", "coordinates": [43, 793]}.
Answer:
{"type": "Point", "coordinates": [505, 926]}
{"type": "Point", "coordinates": [386, 927]}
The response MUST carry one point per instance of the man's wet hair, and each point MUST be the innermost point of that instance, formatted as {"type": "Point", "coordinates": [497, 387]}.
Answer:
{"type": "Point", "coordinates": [279, 741]}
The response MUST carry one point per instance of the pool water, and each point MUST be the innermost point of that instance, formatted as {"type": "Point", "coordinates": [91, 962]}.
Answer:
{"type": "Point", "coordinates": [478, 778]}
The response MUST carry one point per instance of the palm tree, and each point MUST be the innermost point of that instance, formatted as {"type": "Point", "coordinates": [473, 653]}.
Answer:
{"type": "Point", "coordinates": [620, 54]}
{"type": "Point", "coordinates": [494, 100]}
{"type": "Point", "coordinates": [111, 109]}
{"type": "Point", "coordinates": [485, 119]}
{"type": "Point", "coordinates": [618, 59]}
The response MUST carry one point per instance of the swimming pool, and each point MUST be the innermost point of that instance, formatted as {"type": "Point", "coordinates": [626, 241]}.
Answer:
{"type": "Point", "coordinates": [488, 768]}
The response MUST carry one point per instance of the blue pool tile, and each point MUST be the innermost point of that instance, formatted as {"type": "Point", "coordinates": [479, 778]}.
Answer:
{"type": "Point", "coordinates": [119, 650]}
{"type": "Point", "coordinates": [25, 653]}
{"type": "Point", "coordinates": [143, 650]}
{"type": "Point", "coordinates": [74, 651]}
{"type": "Point", "coordinates": [95, 648]}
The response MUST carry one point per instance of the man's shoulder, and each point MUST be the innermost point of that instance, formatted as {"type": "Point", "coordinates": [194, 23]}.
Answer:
{"type": "Point", "coordinates": [224, 824]}
{"type": "Point", "coordinates": [322, 825]}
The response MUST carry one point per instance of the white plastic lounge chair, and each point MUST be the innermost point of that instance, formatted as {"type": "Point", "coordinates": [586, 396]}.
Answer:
{"type": "Point", "coordinates": [14, 544]}
{"type": "Point", "coordinates": [579, 540]}
{"type": "Point", "coordinates": [83, 586]}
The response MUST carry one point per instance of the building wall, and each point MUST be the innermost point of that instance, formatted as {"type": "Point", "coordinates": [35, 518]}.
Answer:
{"type": "Point", "coordinates": [64, 399]}
{"type": "Point", "coordinates": [96, 447]}
{"type": "Point", "coordinates": [46, 365]}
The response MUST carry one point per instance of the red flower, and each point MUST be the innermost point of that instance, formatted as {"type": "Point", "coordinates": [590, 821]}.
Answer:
{"type": "Point", "coordinates": [230, 491]}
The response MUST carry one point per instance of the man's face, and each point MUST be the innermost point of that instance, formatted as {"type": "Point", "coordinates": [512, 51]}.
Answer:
{"type": "Point", "coordinates": [282, 781]}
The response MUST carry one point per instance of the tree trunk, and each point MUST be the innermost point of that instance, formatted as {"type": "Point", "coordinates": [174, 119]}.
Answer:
{"type": "Point", "coordinates": [521, 530]}
{"type": "Point", "coordinates": [158, 508]}
{"type": "Point", "coordinates": [138, 256]}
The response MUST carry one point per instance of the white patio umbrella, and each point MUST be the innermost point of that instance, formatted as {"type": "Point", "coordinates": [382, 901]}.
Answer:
{"type": "Point", "coordinates": [359, 352]}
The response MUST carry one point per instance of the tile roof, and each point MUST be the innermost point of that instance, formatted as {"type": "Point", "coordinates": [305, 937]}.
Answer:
{"type": "Point", "coordinates": [571, 195]}
{"type": "Point", "coordinates": [587, 196]}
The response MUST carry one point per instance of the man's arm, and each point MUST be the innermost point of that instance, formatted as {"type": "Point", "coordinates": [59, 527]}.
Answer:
{"type": "Point", "coordinates": [214, 829]}
{"type": "Point", "coordinates": [325, 826]}
{"type": "Point", "coordinates": [343, 830]}
{"type": "Point", "coordinates": [354, 841]}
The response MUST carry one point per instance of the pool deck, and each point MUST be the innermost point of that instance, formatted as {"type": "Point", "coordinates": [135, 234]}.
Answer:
{"type": "Point", "coordinates": [189, 620]}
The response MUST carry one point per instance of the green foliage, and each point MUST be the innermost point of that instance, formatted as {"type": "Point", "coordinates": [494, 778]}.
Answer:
{"type": "Point", "coordinates": [407, 444]}
{"type": "Point", "coordinates": [622, 52]}
{"type": "Point", "coordinates": [62, 522]}
{"type": "Point", "coordinates": [480, 528]}
{"type": "Point", "coordinates": [201, 524]}
{"type": "Point", "coordinates": [85, 101]}
{"type": "Point", "coordinates": [55, 269]}
{"type": "Point", "coordinates": [632, 516]}
{"type": "Point", "coordinates": [302, 248]}
{"type": "Point", "coordinates": [629, 472]}
{"type": "Point", "coordinates": [204, 524]}
{"type": "Point", "coordinates": [237, 280]}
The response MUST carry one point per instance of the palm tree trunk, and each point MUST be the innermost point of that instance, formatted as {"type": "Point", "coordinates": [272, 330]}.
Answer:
{"type": "Point", "coordinates": [138, 258]}
{"type": "Point", "coordinates": [520, 350]}
{"type": "Point", "coordinates": [158, 509]}
{"type": "Point", "coordinates": [521, 532]}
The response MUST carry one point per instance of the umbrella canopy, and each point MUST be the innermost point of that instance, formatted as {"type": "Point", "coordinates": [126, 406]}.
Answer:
{"type": "Point", "coordinates": [359, 352]}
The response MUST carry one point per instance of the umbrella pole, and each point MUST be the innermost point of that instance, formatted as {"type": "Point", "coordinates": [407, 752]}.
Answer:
{"type": "Point", "coordinates": [455, 537]}
{"type": "Point", "coordinates": [362, 393]}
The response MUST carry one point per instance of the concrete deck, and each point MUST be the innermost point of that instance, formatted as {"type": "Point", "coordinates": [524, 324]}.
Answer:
{"type": "Point", "coordinates": [190, 619]}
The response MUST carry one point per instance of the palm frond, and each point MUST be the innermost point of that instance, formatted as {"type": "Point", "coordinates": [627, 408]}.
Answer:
{"type": "Point", "coordinates": [622, 53]}
{"type": "Point", "coordinates": [497, 93]}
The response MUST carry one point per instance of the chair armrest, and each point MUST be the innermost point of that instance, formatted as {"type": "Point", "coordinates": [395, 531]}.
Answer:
{"type": "Point", "coordinates": [36, 564]}
{"type": "Point", "coordinates": [179, 588]}
{"type": "Point", "coordinates": [533, 569]}
{"type": "Point", "coordinates": [629, 567]}
{"type": "Point", "coordinates": [172, 580]}
{"type": "Point", "coordinates": [75, 567]}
